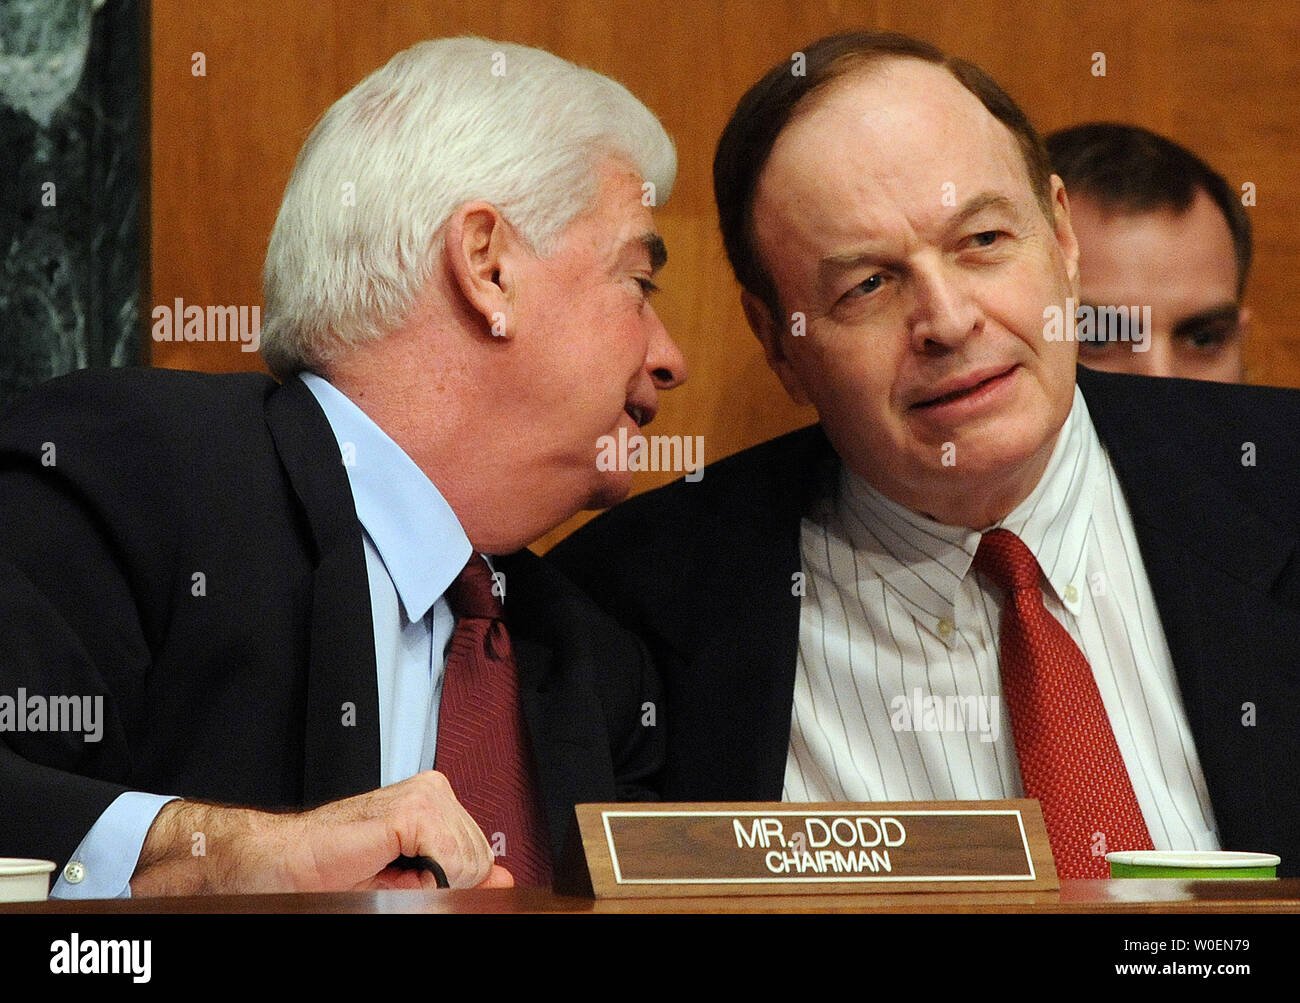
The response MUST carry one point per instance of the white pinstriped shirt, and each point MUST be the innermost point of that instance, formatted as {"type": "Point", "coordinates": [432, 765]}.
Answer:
{"type": "Point", "coordinates": [893, 623]}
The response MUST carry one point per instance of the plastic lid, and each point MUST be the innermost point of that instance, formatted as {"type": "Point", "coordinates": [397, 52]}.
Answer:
{"type": "Point", "coordinates": [1193, 858]}
{"type": "Point", "coordinates": [12, 866]}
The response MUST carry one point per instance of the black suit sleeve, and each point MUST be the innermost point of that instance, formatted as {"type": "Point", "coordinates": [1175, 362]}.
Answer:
{"type": "Point", "coordinates": [61, 599]}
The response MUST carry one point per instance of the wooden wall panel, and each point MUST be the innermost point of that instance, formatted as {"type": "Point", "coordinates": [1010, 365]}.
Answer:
{"type": "Point", "coordinates": [1221, 77]}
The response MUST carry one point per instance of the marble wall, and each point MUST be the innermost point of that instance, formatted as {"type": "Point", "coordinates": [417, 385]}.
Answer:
{"type": "Point", "coordinates": [71, 94]}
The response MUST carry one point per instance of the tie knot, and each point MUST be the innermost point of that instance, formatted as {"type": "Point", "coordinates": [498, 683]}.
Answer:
{"type": "Point", "coordinates": [1004, 558]}
{"type": "Point", "coordinates": [470, 595]}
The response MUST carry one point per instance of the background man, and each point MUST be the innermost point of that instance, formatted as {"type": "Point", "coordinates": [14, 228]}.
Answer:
{"type": "Point", "coordinates": [1107, 572]}
{"type": "Point", "coordinates": [267, 626]}
{"type": "Point", "coordinates": [1157, 228]}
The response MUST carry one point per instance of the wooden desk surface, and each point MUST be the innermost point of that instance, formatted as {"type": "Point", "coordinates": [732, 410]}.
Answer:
{"type": "Point", "coordinates": [1088, 897]}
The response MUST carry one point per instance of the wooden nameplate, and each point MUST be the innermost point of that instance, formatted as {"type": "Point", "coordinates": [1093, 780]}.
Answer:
{"type": "Point", "coordinates": [763, 848]}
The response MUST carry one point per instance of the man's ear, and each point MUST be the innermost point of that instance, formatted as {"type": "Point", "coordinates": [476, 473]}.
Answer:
{"type": "Point", "coordinates": [1064, 231]}
{"type": "Point", "coordinates": [768, 331]}
{"type": "Point", "coordinates": [480, 249]}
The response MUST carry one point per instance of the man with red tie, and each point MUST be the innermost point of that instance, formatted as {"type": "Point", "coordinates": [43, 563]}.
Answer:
{"type": "Point", "coordinates": [277, 600]}
{"type": "Point", "coordinates": [980, 576]}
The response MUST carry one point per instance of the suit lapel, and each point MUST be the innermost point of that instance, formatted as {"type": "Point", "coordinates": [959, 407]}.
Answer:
{"type": "Point", "coordinates": [548, 727]}
{"type": "Point", "coordinates": [1212, 559]}
{"type": "Point", "coordinates": [534, 655]}
{"type": "Point", "coordinates": [750, 630]}
{"type": "Point", "coordinates": [561, 724]}
{"type": "Point", "coordinates": [341, 740]}
{"type": "Point", "coordinates": [760, 647]}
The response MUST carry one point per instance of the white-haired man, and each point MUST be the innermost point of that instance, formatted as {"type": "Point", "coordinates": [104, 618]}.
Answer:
{"type": "Point", "coordinates": [261, 625]}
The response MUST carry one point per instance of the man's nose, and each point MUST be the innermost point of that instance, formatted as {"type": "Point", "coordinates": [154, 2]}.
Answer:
{"type": "Point", "coordinates": [664, 360]}
{"type": "Point", "coordinates": [1158, 360]}
{"type": "Point", "coordinates": [943, 313]}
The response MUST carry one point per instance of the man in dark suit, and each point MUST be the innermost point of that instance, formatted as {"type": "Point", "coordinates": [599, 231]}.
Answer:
{"type": "Point", "coordinates": [1105, 573]}
{"type": "Point", "coordinates": [1159, 227]}
{"type": "Point", "coordinates": [310, 652]}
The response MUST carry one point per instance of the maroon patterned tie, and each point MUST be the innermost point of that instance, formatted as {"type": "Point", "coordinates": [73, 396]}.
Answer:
{"type": "Point", "coordinates": [1068, 756]}
{"type": "Point", "coordinates": [482, 749]}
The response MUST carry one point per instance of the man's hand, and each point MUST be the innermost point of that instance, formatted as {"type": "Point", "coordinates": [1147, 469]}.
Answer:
{"type": "Point", "coordinates": [339, 846]}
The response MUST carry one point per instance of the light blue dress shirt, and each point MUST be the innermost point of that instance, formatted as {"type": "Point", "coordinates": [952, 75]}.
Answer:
{"type": "Point", "coordinates": [414, 547]}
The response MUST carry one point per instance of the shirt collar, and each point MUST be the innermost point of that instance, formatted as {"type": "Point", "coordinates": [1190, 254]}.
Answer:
{"type": "Point", "coordinates": [415, 531]}
{"type": "Point", "coordinates": [924, 562]}
{"type": "Point", "coordinates": [1053, 521]}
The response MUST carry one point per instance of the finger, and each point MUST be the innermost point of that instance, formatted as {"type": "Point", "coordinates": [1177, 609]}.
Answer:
{"type": "Point", "coordinates": [474, 857]}
{"type": "Point", "coordinates": [498, 877]}
{"type": "Point", "coordinates": [422, 864]}
{"type": "Point", "coordinates": [391, 878]}
{"type": "Point", "coordinates": [452, 837]}
{"type": "Point", "coordinates": [467, 859]}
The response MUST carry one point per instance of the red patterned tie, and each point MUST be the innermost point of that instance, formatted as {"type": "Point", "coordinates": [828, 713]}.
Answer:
{"type": "Point", "coordinates": [482, 749]}
{"type": "Point", "coordinates": [1068, 756]}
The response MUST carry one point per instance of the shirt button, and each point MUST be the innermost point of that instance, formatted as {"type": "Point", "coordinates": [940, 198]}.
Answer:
{"type": "Point", "coordinates": [945, 628]}
{"type": "Point", "coordinates": [1071, 593]}
{"type": "Point", "coordinates": [74, 873]}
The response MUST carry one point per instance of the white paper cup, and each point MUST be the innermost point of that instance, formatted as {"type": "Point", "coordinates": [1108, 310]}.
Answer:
{"type": "Point", "coordinates": [23, 880]}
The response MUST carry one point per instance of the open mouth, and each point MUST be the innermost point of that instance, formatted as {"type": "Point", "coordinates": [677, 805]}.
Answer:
{"type": "Point", "coordinates": [638, 414]}
{"type": "Point", "coordinates": [961, 393]}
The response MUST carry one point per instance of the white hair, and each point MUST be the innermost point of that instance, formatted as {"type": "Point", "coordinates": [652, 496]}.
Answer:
{"type": "Point", "coordinates": [445, 122]}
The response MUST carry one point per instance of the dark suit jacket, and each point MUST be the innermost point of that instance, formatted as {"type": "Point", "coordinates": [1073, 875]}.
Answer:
{"type": "Point", "coordinates": [117, 490]}
{"type": "Point", "coordinates": [704, 573]}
